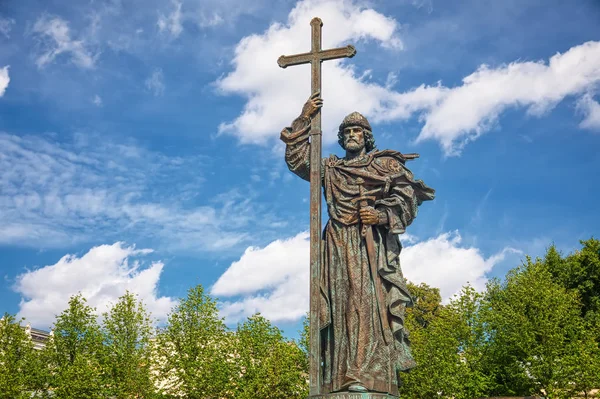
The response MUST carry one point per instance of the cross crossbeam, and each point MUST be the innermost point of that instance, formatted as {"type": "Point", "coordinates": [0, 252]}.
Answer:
{"type": "Point", "coordinates": [305, 58]}
{"type": "Point", "coordinates": [315, 57]}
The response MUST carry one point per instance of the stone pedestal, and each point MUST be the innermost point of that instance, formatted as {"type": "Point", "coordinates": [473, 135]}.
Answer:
{"type": "Point", "coordinates": [354, 395]}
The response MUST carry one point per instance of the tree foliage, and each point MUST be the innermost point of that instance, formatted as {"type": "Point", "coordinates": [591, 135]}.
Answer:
{"type": "Point", "coordinates": [538, 339]}
{"type": "Point", "coordinates": [16, 360]}
{"type": "Point", "coordinates": [579, 271]}
{"type": "Point", "coordinates": [304, 341]}
{"type": "Point", "coordinates": [427, 303]}
{"type": "Point", "coordinates": [75, 353]}
{"type": "Point", "coordinates": [127, 333]}
{"type": "Point", "coordinates": [271, 367]}
{"type": "Point", "coordinates": [535, 332]}
{"type": "Point", "coordinates": [447, 343]}
{"type": "Point", "coordinates": [195, 350]}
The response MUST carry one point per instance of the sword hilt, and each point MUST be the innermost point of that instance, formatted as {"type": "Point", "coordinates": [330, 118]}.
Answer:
{"type": "Point", "coordinates": [363, 201]}
{"type": "Point", "coordinates": [364, 196]}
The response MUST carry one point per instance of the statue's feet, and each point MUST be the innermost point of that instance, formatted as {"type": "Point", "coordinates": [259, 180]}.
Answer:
{"type": "Point", "coordinates": [357, 388]}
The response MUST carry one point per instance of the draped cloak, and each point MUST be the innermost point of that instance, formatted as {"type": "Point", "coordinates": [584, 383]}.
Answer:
{"type": "Point", "coordinates": [354, 349]}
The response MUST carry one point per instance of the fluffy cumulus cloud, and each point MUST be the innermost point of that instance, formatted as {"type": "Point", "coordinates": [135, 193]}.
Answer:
{"type": "Point", "coordinates": [445, 263]}
{"type": "Point", "coordinates": [451, 115]}
{"type": "Point", "coordinates": [465, 112]}
{"type": "Point", "coordinates": [591, 112]}
{"type": "Point", "coordinates": [274, 280]}
{"type": "Point", "coordinates": [275, 95]}
{"type": "Point", "coordinates": [102, 275]}
{"type": "Point", "coordinates": [4, 80]}
{"type": "Point", "coordinates": [55, 38]}
{"type": "Point", "coordinates": [57, 193]}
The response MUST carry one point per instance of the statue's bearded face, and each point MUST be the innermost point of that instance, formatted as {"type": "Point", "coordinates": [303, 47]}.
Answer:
{"type": "Point", "coordinates": [354, 138]}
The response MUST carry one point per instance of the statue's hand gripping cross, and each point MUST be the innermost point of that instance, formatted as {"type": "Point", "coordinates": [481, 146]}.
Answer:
{"type": "Point", "coordinates": [315, 57]}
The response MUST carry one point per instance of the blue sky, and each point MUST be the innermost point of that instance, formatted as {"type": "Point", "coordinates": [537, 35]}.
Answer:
{"type": "Point", "coordinates": [139, 142]}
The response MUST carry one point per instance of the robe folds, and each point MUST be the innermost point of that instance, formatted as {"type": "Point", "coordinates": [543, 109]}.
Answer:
{"type": "Point", "coordinates": [353, 332]}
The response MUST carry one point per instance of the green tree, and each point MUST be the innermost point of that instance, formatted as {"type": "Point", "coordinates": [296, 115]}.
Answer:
{"type": "Point", "coordinates": [579, 271]}
{"type": "Point", "coordinates": [75, 352]}
{"type": "Point", "coordinates": [195, 351]}
{"type": "Point", "coordinates": [427, 303]}
{"type": "Point", "coordinates": [40, 374]}
{"type": "Point", "coordinates": [473, 336]}
{"type": "Point", "coordinates": [539, 342]}
{"type": "Point", "coordinates": [127, 333]}
{"type": "Point", "coordinates": [304, 342]}
{"type": "Point", "coordinates": [16, 359]}
{"type": "Point", "coordinates": [447, 343]}
{"type": "Point", "coordinates": [584, 371]}
{"type": "Point", "coordinates": [271, 367]}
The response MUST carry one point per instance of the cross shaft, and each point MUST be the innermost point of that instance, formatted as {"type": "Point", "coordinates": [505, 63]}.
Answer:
{"type": "Point", "coordinates": [315, 57]}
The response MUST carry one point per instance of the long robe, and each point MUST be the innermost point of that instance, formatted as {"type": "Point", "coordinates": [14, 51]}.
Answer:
{"type": "Point", "coordinates": [354, 349]}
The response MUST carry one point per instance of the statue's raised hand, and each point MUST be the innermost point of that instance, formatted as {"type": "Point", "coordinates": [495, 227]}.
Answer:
{"type": "Point", "coordinates": [312, 105]}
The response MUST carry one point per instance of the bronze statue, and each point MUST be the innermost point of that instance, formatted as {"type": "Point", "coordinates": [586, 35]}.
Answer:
{"type": "Point", "coordinates": [371, 198]}
{"type": "Point", "coordinates": [357, 292]}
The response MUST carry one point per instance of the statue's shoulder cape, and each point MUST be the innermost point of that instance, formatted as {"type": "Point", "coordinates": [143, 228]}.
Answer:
{"type": "Point", "coordinates": [391, 161]}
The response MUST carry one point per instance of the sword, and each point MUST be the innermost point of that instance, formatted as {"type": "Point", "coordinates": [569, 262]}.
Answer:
{"type": "Point", "coordinates": [367, 233]}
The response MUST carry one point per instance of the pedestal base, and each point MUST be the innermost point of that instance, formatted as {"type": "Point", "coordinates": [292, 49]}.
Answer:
{"type": "Point", "coordinates": [354, 395]}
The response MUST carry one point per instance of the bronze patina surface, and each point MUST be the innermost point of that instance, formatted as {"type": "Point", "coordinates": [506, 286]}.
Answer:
{"type": "Point", "coordinates": [358, 342]}
{"type": "Point", "coordinates": [315, 57]}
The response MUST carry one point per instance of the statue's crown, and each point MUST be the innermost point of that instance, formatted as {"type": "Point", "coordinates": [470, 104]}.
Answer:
{"type": "Point", "coordinates": [355, 119]}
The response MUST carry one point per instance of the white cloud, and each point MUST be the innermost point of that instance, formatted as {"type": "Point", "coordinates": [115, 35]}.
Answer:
{"type": "Point", "coordinates": [135, 25]}
{"type": "Point", "coordinates": [205, 14]}
{"type": "Point", "coordinates": [155, 83]}
{"type": "Point", "coordinates": [452, 116]}
{"type": "Point", "coordinates": [280, 268]}
{"type": "Point", "coordinates": [274, 280]}
{"type": "Point", "coordinates": [275, 95]}
{"type": "Point", "coordinates": [6, 25]}
{"type": "Point", "coordinates": [55, 39]}
{"type": "Point", "coordinates": [171, 23]}
{"type": "Point", "coordinates": [591, 111]}
{"type": "Point", "coordinates": [102, 275]}
{"type": "Point", "coordinates": [426, 4]}
{"type": "Point", "coordinates": [4, 80]}
{"type": "Point", "coordinates": [97, 100]}
{"type": "Point", "coordinates": [55, 194]}
{"type": "Point", "coordinates": [465, 112]}
{"type": "Point", "coordinates": [209, 21]}
{"type": "Point", "coordinates": [444, 263]}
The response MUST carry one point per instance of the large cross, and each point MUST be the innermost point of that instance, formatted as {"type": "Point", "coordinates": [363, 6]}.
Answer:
{"type": "Point", "coordinates": [315, 57]}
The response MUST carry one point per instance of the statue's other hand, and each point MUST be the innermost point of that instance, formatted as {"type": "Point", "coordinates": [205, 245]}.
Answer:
{"type": "Point", "coordinates": [369, 215]}
{"type": "Point", "coordinates": [312, 105]}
